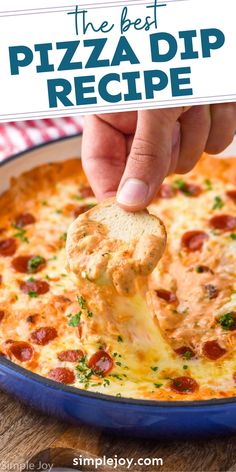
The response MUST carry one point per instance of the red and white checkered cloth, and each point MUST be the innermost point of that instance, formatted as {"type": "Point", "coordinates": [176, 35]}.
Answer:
{"type": "Point", "coordinates": [18, 136]}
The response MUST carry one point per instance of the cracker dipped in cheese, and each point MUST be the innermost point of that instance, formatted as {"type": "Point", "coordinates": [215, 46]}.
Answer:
{"type": "Point", "coordinates": [176, 343]}
{"type": "Point", "coordinates": [109, 245]}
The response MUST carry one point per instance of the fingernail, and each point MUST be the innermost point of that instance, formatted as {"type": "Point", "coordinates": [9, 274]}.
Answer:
{"type": "Point", "coordinates": [134, 192]}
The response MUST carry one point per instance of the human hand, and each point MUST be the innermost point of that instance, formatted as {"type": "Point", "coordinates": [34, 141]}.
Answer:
{"type": "Point", "coordinates": [131, 153]}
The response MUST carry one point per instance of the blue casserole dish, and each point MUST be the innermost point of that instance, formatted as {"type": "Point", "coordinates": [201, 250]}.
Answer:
{"type": "Point", "coordinates": [141, 418]}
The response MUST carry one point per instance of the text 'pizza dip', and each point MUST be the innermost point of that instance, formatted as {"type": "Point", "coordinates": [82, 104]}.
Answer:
{"type": "Point", "coordinates": [176, 343]}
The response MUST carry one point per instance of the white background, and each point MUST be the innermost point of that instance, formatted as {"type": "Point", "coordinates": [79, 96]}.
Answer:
{"type": "Point", "coordinates": [25, 96]}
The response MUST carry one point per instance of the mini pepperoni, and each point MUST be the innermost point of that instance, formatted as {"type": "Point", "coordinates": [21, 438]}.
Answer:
{"type": "Point", "coordinates": [72, 355]}
{"type": "Point", "coordinates": [184, 385]}
{"type": "Point", "coordinates": [8, 247]}
{"type": "Point", "coordinates": [2, 314]}
{"type": "Point", "coordinates": [167, 191]}
{"type": "Point", "coordinates": [86, 192]}
{"type": "Point", "coordinates": [101, 362]}
{"type": "Point", "coordinates": [185, 352]}
{"type": "Point", "coordinates": [194, 240]}
{"type": "Point", "coordinates": [24, 219]}
{"type": "Point", "coordinates": [223, 222]}
{"type": "Point", "coordinates": [81, 209]}
{"type": "Point", "coordinates": [234, 377]}
{"type": "Point", "coordinates": [39, 287]}
{"type": "Point", "coordinates": [190, 189]}
{"type": "Point", "coordinates": [166, 295]}
{"type": "Point", "coordinates": [22, 351]}
{"type": "Point", "coordinates": [232, 194]}
{"type": "Point", "coordinates": [25, 264]}
{"type": "Point", "coordinates": [213, 351]}
{"type": "Point", "coordinates": [63, 375]}
{"type": "Point", "coordinates": [43, 336]}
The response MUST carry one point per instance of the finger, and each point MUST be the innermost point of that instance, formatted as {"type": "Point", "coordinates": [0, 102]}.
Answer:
{"type": "Point", "coordinates": [125, 121]}
{"type": "Point", "coordinates": [223, 127]}
{"type": "Point", "coordinates": [195, 128]}
{"type": "Point", "coordinates": [103, 156]}
{"type": "Point", "coordinates": [150, 158]}
{"type": "Point", "coordinates": [176, 141]}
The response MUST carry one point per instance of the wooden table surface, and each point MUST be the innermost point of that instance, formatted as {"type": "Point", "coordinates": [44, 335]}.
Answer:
{"type": "Point", "coordinates": [26, 435]}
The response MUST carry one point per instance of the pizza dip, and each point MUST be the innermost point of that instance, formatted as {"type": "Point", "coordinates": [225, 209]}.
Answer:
{"type": "Point", "coordinates": [173, 339]}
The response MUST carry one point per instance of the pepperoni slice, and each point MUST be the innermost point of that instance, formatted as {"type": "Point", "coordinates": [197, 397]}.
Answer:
{"type": "Point", "coordinates": [2, 314]}
{"type": "Point", "coordinates": [38, 287]}
{"type": "Point", "coordinates": [28, 264]}
{"type": "Point", "coordinates": [43, 336]}
{"type": "Point", "coordinates": [72, 355]}
{"type": "Point", "coordinates": [184, 385]}
{"type": "Point", "coordinates": [190, 189]}
{"type": "Point", "coordinates": [63, 375]}
{"type": "Point", "coordinates": [213, 351]}
{"type": "Point", "coordinates": [0, 279]}
{"type": "Point", "coordinates": [167, 191]}
{"type": "Point", "coordinates": [234, 376]}
{"type": "Point", "coordinates": [101, 362]}
{"type": "Point", "coordinates": [86, 192]}
{"type": "Point", "coordinates": [22, 351]}
{"type": "Point", "coordinates": [8, 247]}
{"type": "Point", "coordinates": [194, 240]}
{"type": "Point", "coordinates": [169, 297]}
{"type": "Point", "coordinates": [24, 219]}
{"type": "Point", "coordinates": [232, 194]}
{"type": "Point", "coordinates": [223, 222]}
{"type": "Point", "coordinates": [185, 352]}
{"type": "Point", "coordinates": [81, 209]}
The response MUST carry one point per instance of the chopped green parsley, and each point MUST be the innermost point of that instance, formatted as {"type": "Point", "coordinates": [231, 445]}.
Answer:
{"type": "Point", "coordinates": [34, 262]}
{"type": "Point", "coordinates": [74, 320]}
{"type": "Point", "coordinates": [208, 184]}
{"type": "Point", "coordinates": [180, 184]}
{"type": "Point", "coordinates": [21, 234]}
{"type": "Point", "coordinates": [32, 294]}
{"type": "Point", "coordinates": [63, 237]}
{"type": "Point", "coordinates": [83, 306]}
{"type": "Point", "coordinates": [187, 355]}
{"type": "Point", "coordinates": [227, 321]}
{"type": "Point", "coordinates": [218, 203]}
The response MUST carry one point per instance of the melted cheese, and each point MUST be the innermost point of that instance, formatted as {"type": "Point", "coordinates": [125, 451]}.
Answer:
{"type": "Point", "coordinates": [141, 335]}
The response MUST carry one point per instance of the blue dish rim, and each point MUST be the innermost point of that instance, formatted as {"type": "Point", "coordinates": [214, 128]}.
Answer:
{"type": "Point", "coordinates": [85, 393]}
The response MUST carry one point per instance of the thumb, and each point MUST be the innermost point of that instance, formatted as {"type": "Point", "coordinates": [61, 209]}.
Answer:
{"type": "Point", "coordinates": [150, 157]}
